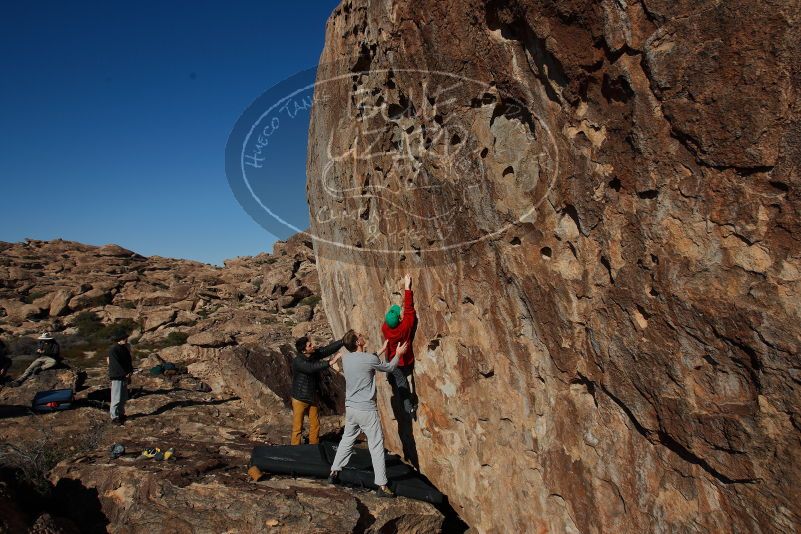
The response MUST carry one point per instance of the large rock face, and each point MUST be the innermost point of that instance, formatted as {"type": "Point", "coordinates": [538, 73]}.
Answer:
{"type": "Point", "coordinates": [599, 202]}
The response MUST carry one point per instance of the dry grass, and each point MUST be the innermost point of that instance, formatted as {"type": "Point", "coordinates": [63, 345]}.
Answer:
{"type": "Point", "coordinates": [33, 458]}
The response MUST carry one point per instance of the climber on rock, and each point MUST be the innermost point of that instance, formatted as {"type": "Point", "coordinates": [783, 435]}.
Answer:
{"type": "Point", "coordinates": [361, 411]}
{"type": "Point", "coordinates": [398, 327]}
{"type": "Point", "coordinates": [306, 368]}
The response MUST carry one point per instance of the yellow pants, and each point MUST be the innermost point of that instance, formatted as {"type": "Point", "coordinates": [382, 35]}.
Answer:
{"type": "Point", "coordinates": [299, 409]}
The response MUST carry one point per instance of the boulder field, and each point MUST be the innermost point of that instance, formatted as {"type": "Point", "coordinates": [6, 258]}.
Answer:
{"type": "Point", "coordinates": [230, 330]}
{"type": "Point", "coordinates": [599, 204]}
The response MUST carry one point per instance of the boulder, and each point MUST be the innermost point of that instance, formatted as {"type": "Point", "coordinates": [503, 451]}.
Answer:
{"type": "Point", "coordinates": [89, 299]}
{"type": "Point", "coordinates": [17, 311]}
{"type": "Point", "coordinates": [116, 313]}
{"type": "Point", "coordinates": [60, 303]}
{"type": "Point", "coordinates": [157, 318]}
{"type": "Point", "coordinates": [599, 205]}
{"type": "Point", "coordinates": [210, 339]}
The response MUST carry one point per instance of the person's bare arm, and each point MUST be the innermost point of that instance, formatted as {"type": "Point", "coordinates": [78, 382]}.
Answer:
{"type": "Point", "coordinates": [391, 366]}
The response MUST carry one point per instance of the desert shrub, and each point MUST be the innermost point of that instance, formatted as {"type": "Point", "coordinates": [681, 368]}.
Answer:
{"type": "Point", "coordinates": [93, 335]}
{"type": "Point", "coordinates": [311, 300]}
{"type": "Point", "coordinates": [172, 339]}
{"type": "Point", "coordinates": [87, 323]}
{"type": "Point", "coordinates": [32, 458]}
{"type": "Point", "coordinates": [175, 338]}
{"type": "Point", "coordinates": [91, 328]}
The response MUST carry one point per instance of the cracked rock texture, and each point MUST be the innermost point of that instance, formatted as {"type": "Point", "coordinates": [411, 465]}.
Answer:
{"type": "Point", "coordinates": [599, 202]}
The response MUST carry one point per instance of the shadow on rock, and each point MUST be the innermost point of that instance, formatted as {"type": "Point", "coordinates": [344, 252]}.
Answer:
{"type": "Point", "coordinates": [73, 500]}
{"type": "Point", "coordinates": [182, 404]}
{"type": "Point", "coordinates": [7, 412]}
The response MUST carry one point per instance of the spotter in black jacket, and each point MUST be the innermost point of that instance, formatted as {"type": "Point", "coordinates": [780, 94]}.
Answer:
{"type": "Point", "coordinates": [306, 372]}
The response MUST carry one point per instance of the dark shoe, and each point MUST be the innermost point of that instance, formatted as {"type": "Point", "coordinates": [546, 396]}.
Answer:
{"type": "Point", "coordinates": [333, 478]}
{"type": "Point", "coordinates": [384, 491]}
{"type": "Point", "coordinates": [117, 450]}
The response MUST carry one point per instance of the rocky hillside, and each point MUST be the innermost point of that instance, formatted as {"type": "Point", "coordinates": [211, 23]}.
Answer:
{"type": "Point", "coordinates": [232, 328]}
{"type": "Point", "coordinates": [599, 202]}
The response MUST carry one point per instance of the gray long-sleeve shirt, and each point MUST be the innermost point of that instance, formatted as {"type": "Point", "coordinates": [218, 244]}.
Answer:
{"type": "Point", "coordinates": [359, 369]}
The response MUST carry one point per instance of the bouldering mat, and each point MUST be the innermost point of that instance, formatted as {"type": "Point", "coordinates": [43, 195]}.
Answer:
{"type": "Point", "coordinates": [315, 461]}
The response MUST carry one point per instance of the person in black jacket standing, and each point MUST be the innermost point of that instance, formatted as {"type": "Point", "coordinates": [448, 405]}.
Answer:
{"type": "Point", "coordinates": [120, 369]}
{"type": "Point", "coordinates": [306, 369]}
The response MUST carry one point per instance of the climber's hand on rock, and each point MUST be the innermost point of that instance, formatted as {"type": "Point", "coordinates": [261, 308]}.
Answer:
{"type": "Point", "coordinates": [407, 281]}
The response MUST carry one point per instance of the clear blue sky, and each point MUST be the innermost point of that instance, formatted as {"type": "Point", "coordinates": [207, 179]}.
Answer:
{"type": "Point", "coordinates": [114, 118]}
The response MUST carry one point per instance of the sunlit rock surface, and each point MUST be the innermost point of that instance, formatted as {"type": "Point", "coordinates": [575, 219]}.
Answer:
{"type": "Point", "coordinates": [599, 204]}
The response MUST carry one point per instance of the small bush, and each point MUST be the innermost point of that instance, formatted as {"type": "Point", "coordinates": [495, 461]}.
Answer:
{"type": "Point", "coordinates": [311, 300]}
{"type": "Point", "coordinates": [175, 338]}
{"type": "Point", "coordinates": [33, 458]}
{"type": "Point", "coordinates": [88, 324]}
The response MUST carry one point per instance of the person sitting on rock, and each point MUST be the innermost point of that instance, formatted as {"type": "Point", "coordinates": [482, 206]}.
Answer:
{"type": "Point", "coordinates": [120, 369]}
{"type": "Point", "coordinates": [398, 328]}
{"type": "Point", "coordinates": [361, 411]}
{"type": "Point", "coordinates": [49, 353]}
{"type": "Point", "coordinates": [306, 368]}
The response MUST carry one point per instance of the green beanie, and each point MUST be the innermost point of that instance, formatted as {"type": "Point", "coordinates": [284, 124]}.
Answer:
{"type": "Point", "coordinates": [393, 316]}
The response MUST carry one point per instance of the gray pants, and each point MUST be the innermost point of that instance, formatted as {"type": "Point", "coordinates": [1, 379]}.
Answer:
{"type": "Point", "coordinates": [362, 421]}
{"type": "Point", "coordinates": [119, 394]}
{"type": "Point", "coordinates": [39, 364]}
{"type": "Point", "coordinates": [399, 380]}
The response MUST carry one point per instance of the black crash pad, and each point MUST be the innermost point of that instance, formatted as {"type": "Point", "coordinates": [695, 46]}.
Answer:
{"type": "Point", "coordinates": [315, 461]}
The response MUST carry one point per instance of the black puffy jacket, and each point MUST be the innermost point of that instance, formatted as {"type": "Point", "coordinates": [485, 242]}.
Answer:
{"type": "Point", "coordinates": [306, 372]}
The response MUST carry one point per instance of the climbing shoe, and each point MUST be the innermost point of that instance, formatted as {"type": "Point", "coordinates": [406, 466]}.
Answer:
{"type": "Point", "coordinates": [333, 478]}
{"type": "Point", "coordinates": [151, 452]}
{"type": "Point", "coordinates": [117, 450]}
{"type": "Point", "coordinates": [384, 491]}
